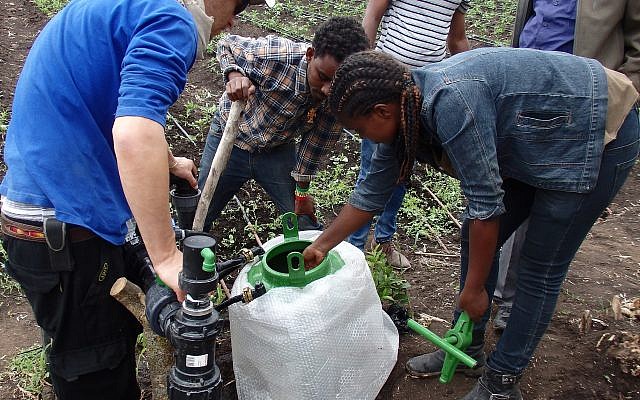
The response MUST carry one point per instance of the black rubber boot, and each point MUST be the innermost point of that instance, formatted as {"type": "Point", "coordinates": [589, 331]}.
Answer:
{"type": "Point", "coordinates": [493, 385]}
{"type": "Point", "coordinates": [430, 364]}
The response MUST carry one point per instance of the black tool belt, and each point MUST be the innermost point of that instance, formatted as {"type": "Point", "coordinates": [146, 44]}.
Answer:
{"type": "Point", "coordinates": [56, 234]}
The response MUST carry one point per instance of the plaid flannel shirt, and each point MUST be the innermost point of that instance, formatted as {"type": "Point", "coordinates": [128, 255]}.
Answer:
{"type": "Point", "coordinates": [282, 107]}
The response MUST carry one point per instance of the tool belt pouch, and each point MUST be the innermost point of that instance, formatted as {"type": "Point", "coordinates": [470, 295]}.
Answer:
{"type": "Point", "coordinates": [55, 233]}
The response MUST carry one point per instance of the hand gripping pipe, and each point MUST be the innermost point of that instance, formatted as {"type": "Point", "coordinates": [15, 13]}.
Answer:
{"type": "Point", "coordinates": [192, 327]}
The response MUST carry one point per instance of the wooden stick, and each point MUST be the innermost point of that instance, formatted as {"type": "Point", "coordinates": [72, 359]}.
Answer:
{"type": "Point", "coordinates": [175, 121]}
{"type": "Point", "coordinates": [422, 253]}
{"type": "Point", "coordinates": [225, 289]}
{"type": "Point", "coordinates": [248, 221]}
{"type": "Point", "coordinates": [219, 163]}
{"type": "Point", "coordinates": [435, 234]}
{"type": "Point", "coordinates": [451, 217]}
{"type": "Point", "coordinates": [158, 349]}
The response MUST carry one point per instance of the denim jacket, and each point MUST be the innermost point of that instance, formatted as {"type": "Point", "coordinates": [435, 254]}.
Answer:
{"type": "Point", "coordinates": [499, 113]}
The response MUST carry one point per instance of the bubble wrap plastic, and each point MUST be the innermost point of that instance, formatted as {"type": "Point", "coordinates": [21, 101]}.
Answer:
{"type": "Point", "coordinates": [328, 340]}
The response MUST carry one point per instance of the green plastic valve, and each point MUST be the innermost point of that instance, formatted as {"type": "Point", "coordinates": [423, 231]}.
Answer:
{"type": "Point", "coordinates": [454, 343]}
{"type": "Point", "coordinates": [209, 263]}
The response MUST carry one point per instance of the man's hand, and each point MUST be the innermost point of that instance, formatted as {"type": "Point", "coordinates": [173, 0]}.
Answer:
{"type": "Point", "coordinates": [312, 257]}
{"type": "Point", "coordinates": [304, 205]}
{"type": "Point", "coordinates": [185, 169]}
{"type": "Point", "coordinates": [474, 301]}
{"type": "Point", "coordinates": [168, 271]}
{"type": "Point", "coordinates": [239, 87]}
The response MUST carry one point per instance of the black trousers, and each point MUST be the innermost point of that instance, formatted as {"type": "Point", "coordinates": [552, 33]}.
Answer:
{"type": "Point", "coordinates": [89, 337]}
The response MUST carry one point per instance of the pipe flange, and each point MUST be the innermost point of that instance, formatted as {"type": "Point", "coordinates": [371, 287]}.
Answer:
{"type": "Point", "coordinates": [203, 307]}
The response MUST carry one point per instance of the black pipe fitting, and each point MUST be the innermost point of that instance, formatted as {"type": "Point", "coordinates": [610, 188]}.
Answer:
{"type": "Point", "coordinates": [194, 328]}
{"type": "Point", "coordinates": [247, 296]}
{"type": "Point", "coordinates": [193, 278]}
{"type": "Point", "coordinates": [184, 200]}
{"type": "Point", "coordinates": [161, 305]}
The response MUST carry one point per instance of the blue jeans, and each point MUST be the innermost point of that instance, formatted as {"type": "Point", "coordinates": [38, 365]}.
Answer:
{"type": "Point", "coordinates": [271, 169]}
{"type": "Point", "coordinates": [386, 223]}
{"type": "Point", "coordinates": [558, 223]}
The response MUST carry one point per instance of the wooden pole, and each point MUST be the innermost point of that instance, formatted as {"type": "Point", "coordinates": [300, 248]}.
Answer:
{"type": "Point", "coordinates": [219, 163]}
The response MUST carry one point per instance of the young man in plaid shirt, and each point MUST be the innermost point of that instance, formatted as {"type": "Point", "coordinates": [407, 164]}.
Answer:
{"type": "Point", "coordinates": [285, 84]}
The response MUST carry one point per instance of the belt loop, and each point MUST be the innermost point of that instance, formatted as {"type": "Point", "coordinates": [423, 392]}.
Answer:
{"type": "Point", "coordinates": [55, 233]}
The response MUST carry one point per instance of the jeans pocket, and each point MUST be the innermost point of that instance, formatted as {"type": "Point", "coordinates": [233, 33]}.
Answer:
{"type": "Point", "coordinates": [621, 173]}
{"type": "Point", "coordinates": [28, 263]}
{"type": "Point", "coordinates": [542, 120]}
{"type": "Point", "coordinates": [104, 267]}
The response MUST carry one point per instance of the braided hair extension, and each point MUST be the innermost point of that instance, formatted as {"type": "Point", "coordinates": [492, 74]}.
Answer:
{"type": "Point", "coordinates": [370, 77]}
{"type": "Point", "coordinates": [339, 37]}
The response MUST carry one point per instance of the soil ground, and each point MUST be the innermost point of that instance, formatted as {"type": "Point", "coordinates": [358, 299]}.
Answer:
{"type": "Point", "coordinates": [567, 364]}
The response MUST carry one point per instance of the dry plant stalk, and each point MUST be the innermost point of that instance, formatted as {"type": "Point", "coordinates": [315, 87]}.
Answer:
{"type": "Point", "coordinates": [158, 350]}
{"type": "Point", "coordinates": [616, 306]}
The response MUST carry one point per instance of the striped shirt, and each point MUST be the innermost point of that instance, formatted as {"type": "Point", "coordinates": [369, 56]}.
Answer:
{"type": "Point", "coordinates": [415, 31]}
{"type": "Point", "coordinates": [282, 107]}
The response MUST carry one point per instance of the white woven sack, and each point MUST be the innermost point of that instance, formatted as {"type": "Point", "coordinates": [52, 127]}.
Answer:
{"type": "Point", "coordinates": [328, 340]}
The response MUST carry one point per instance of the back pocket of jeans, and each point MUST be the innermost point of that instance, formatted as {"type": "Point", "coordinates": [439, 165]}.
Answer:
{"type": "Point", "coordinates": [622, 173]}
{"type": "Point", "coordinates": [542, 119]}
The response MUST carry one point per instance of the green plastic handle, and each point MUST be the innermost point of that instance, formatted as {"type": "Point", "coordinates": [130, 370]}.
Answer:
{"type": "Point", "coordinates": [455, 341]}
{"type": "Point", "coordinates": [290, 226]}
{"type": "Point", "coordinates": [295, 263]}
{"type": "Point", "coordinates": [460, 336]}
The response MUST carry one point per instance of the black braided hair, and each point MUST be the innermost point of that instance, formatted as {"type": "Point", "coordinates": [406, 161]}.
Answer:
{"type": "Point", "coordinates": [339, 37]}
{"type": "Point", "coordinates": [370, 77]}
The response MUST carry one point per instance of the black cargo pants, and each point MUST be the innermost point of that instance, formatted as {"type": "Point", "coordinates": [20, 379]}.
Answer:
{"type": "Point", "coordinates": [90, 337]}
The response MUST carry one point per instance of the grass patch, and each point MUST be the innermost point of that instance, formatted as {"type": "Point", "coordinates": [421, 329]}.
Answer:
{"type": "Point", "coordinates": [4, 122]}
{"type": "Point", "coordinates": [421, 216]}
{"type": "Point", "coordinates": [492, 20]}
{"type": "Point", "coordinates": [488, 20]}
{"type": "Point", "coordinates": [333, 184]}
{"type": "Point", "coordinates": [28, 370]}
{"type": "Point", "coordinates": [50, 7]}
{"type": "Point", "coordinates": [8, 285]}
{"type": "Point", "coordinates": [297, 20]}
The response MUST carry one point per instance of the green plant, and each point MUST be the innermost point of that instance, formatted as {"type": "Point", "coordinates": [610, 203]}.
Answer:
{"type": "Point", "coordinates": [390, 286]}
{"type": "Point", "coordinates": [28, 370]}
{"type": "Point", "coordinates": [141, 351]}
{"type": "Point", "coordinates": [219, 296]}
{"type": "Point", "coordinates": [7, 284]}
{"type": "Point", "coordinates": [333, 184]}
{"type": "Point", "coordinates": [4, 121]}
{"type": "Point", "coordinates": [50, 7]}
{"type": "Point", "coordinates": [421, 216]}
